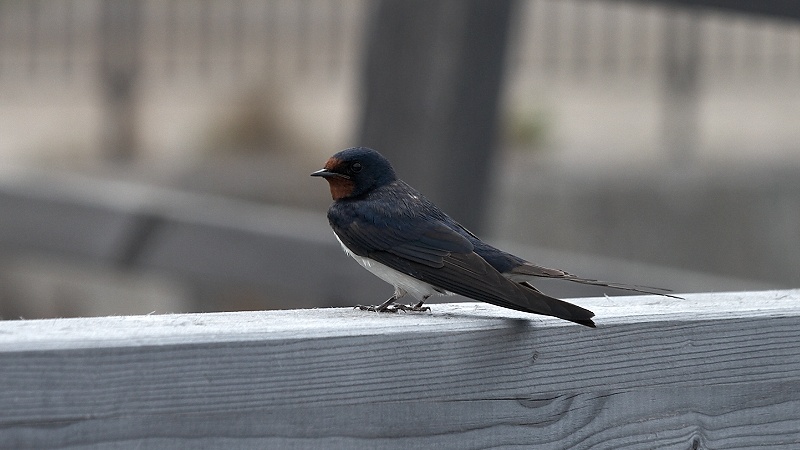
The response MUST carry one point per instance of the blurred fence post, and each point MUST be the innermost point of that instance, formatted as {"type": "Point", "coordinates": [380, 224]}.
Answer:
{"type": "Point", "coordinates": [119, 65]}
{"type": "Point", "coordinates": [432, 80]}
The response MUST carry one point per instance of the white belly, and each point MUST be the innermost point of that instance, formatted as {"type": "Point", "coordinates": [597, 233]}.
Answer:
{"type": "Point", "coordinates": [402, 283]}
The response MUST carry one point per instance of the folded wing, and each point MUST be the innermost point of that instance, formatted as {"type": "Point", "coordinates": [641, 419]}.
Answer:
{"type": "Point", "coordinates": [431, 251]}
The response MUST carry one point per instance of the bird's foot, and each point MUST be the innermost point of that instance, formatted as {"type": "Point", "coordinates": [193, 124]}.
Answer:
{"type": "Point", "coordinates": [392, 307]}
{"type": "Point", "coordinates": [416, 307]}
{"type": "Point", "coordinates": [387, 306]}
{"type": "Point", "coordinates": [374, 308]}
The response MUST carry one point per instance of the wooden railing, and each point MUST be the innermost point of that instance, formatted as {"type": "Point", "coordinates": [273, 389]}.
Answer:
{"type": "Point", "coordinates": [711, 371]}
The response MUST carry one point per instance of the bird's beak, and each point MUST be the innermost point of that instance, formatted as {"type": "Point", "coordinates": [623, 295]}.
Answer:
{"type": "Point", "coordinates": [326, 173]}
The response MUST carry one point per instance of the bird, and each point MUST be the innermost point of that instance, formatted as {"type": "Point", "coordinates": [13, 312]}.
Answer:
{"type": "Point", "coordinates": [399, 235]}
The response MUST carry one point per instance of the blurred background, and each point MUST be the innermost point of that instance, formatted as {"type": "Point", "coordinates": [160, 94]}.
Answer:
{"type": "Point", "coordinates": [154, 155]}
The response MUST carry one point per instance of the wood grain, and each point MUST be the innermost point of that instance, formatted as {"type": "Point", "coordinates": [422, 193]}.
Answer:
{"type": "Point", "coordinates": [713, 371]}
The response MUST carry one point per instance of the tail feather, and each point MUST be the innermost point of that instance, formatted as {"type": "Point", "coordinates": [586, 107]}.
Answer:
{"type": "Point", "coordinates": [469, 275]}
{"type": "Point", "coordinates": [526, 273]}
{"type": "Point", "coordinates": [585, 322]}
{"type": "Point", "coordinates": [557, 308]}
{"type": "Point", "coordinates": [627, 287]}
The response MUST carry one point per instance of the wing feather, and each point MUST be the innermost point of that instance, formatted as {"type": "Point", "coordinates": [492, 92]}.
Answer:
{"type": "Point", "coordinates": [426, 242]}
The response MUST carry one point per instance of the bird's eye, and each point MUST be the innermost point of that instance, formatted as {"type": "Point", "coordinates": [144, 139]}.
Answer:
{"type": "Point", "coordinates": [356, 167]}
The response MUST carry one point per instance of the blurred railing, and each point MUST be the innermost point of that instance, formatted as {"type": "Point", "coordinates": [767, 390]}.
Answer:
{"type": "Point", "coordinates": [61, 41]}
{"type": "Point", "coordinates": [583, 39]}
{"type": "Point", "coordinates": [117, 50]}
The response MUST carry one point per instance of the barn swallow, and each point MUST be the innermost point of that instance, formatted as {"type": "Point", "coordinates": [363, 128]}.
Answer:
{"type": "Point", "coordinates": [397, 234]}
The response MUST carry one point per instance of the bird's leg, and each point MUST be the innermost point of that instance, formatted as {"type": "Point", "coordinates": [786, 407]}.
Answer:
{"type": "Point", "coordinates": [417, 307]}
{"type": "Point", "coordinates": [387, 306]}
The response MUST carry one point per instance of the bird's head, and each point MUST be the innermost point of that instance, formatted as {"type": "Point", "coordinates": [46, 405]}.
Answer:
{"type": "Point", "coordinates": [355, 172]}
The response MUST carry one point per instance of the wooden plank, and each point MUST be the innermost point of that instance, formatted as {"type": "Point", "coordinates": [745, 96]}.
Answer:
{"type": "Point", "coordinates": [712, 371]}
